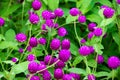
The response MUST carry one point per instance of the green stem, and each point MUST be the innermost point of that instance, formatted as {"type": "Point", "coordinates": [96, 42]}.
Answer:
{"type": "Point", "coordinates": [113, 74]}
{"type": "Point", "coordinates": [86, 63]}
{"type": "Point", "coordinates": [2, 65]}
{"type": "Point", "coordinates": [9, 54]}
{"type": "Point", "coordinates": [23, 11]}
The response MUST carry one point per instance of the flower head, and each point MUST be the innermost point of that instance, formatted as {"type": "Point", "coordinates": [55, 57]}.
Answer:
{"type": "Point", "coordinates": [98, 32]}
{"type": "Point", "coordinates": [33, 67]}
{"type": "Point", "coordinates": [35, 78]}
{"type": "Point", "coordinates": [55, 44]}
{"type": "Point", "coordinates": [42, 41]}
{"type": "Point", "coordinates": [75, 76]}
{"type": "Point", "coordinates": [59, 12]}
{"type": "Point", "coordinates": [65, 44]}
{"type": "Point", "coordinates": [108, 12]}
{"type": "Point", "coordinates": [62, 31]}
{"type": "Point", "coordinates": [67, 77]}
{"type": "Point", "coordinates": [91, 26]}
{"type": "Point", "coordinates": [2, 21]}
{"type": "Point", "coordinates": [36, 4]}
{"type": "Point", "coordinates": [84, 50]}
{"type": "Point", "coordinates": [34, 18]}
{"type": "Point", "coordinates": [21, 37]}
{"type": "Point", "coordinates": [74, 11]}
{"type": "Point", "coordinates": [58, 73]}
{"type": "Point", "coordinates": [91, 77]}
{"type": "Point", "coordinates": [31, 57]}
{"type": "Point", "coordinates": [100, 59]}
{"type": "Point", "coordinates": [33, 42]}
{"type": "Point", "coordinates": [82, 19]}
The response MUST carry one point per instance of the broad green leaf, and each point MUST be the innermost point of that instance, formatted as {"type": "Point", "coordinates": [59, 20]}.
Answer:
{"type": "Point", "coordinates": [74, 49]}
{"type": "Point", "coordinates": [77, 60]}
{"type": "Point", "coordinates": [45, 1]}
{"type": "Point", "coordinates": [70, 19]}
{"type": "Point", "coordinates": [98, 48]}
{"type": "Point", "coordinates": [105, 2]}
{"type": "Point", "coordinates": [102, 74]}
{"type": "Point", "coordinates": [53, 4]}
{"type": "Point", "coordinates": [1, 74]}
{"type": "Point", "coordinates": [92, 63]}
{"type": "Point", "coordinates": [2, 37]}
{"type": "Point", "coordinates": [9, 62]}
{"type": "Point", "coordinates": [10, 35]}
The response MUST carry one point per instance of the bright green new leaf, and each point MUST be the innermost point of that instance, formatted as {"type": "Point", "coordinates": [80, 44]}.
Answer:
{"type": "Point", "coordinates": [10, 35]}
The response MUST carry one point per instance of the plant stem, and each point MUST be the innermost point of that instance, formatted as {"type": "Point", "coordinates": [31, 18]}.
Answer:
{"type": "Point", "coordinates": [86, 63]}
{"type": "Point", "coordinates": [9, 54]}
{"type": "Point", "coordinates": [2, 65]}
{"type": "Point", "coordinates": [113, 74]}
{"type": "Point", "coordinates": [23, 11]}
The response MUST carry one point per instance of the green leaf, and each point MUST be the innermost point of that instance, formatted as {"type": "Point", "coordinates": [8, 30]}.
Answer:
{"type": "Point", "coordinates": [92, 63]}
{"type": "Point", "coordinates": [73, 49]}
{"type": "Point", "coordinates": [78, 71]}
{"type": "Point", "coordinates": [102, 74]}
{"type": "Point", "coordinates": [10, 35]}
{"type": "Point", "coordinates": [53, 4]}
{"type": "Point", "coordinates": [105, 2]}
{"type": "Point", "coordinates": [98, 48]}
{"type": "Point", "coordinates": [9, 62]}
{"type": "Point", "coordinates": [77, 60]}
{"type": "Point", "coordinates": [2, 37]}
{"type": "Point", "coordinates": [46, 2]}
{"type": "Point", "coordinates": [1, 74]}
{"type": "Point", "coordinates": [70, 19]}
{"type": "Point", "coordinates": [19, 68]}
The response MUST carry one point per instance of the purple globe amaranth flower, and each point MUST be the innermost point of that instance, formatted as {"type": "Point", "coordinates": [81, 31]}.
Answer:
{"type": "Point", "coordinates": [33, 67]}
{"type": "Point", "coordinates": [108, 12]}
{"type": "Point", "coordinates": [91, 26]}
{"type": "Point", "coordinates": [49, 23]}
{"type": "Point", "coordinates": [98, 32]}
{"type": "Point", "coordinates": [91, 49]}
{"type": "Point", "coordinates": [82, 40]}
{"type": "Point", "coordinates": [62, 31]}
{"type": "Point", "coordinates": [64, 55]}
{"type": "Point", "coordinates": [91, 77]}
{"type": "Point", "coordinates": [59, 12]}
{"type": "Point", "coordinates": [55, 44]}
{"type": "Point", "coordinates": [82, 19]}
{"type": "Point", "coordinates": [52, 16]}
{"type": "Point", "coordinates": [35, 78]}
{"type": "Point", "coordinates": [21, 50]}
{"type": "Point", "coordinates": [44, 27]}
{"type": "Point", "coordinates": [34, 18]}
{"type": "Point", "coordinates": [84, 50]}
{"type": "Point", "coordinates": [75, 76]}
{"type": "Point", "coordinates": [90, 35]}
{"type": "Point", "coordinates": [42, 62]}
{"type": "Point", "coordinates": [2, 21]}
{"type": "Point", "coordinates": [21, 37]}
{"type": "Point", "coordinates": [60, 64]}
{"type": "Point", "coordinates": [100, 59]}
{"type": "Point", "coordinates": [118, 1]}
{"type": "Point", "coordinates": [48, 59]}
{"type": "Point", "coordinates": [29, 48]}
{"type": "Point", "coordinates": [33, 42]}
{"type": "Point", "coordinates": [42, 41]}
{"type": "Point", "coordinates": [67, 77]}
{"type": "Point", "coordinates": [56, 25]}
{"type": "Point", "coordinates": [58, 73]}
{"type": "Point", "coordinates": [46, 14]}
{"type": "Point", "coordinates": [74, 12]}
{"type": "Point", "coordinates": [14, 59]}
{"type": "Point", "coordinates": [113, 62]}
{"type": "Point", "coordinates": [36, 4]}
{"type": "Point", "coordinates": [42, 68]}
{"type": "Point", "coordinates": [31, 57]}
{"type": "Point", "coordinates": [47, 76]}
{"type": "Point", "coordinates": [65, 44]}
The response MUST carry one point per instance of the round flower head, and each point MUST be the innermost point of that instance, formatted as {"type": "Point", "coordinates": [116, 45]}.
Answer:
{"type": "Point", "coordinates": [83, 40]}
{"type": "Point", "coordinates": [113, 62]}
{"type": "Point", "coordinates": [75, 76]}
{"type": "Point", "coordinates": [21, 37]}
{"type": "Point", "coordinates": [82, 19]}
{"type": "Point", "coordinates": [55, 44]}
{"type": "Point", "coordinates": [84, 50]}
{"type": "Point", "coordinates": [14, 59]}
{"type": "Point", "coordinates": [42, 67]}
{"type": "Point", "coordinates": [118, 1]}
{"type": "Point", "coordinates": [49, 23]}
{"type": "Point", "coordinates": [108, 12]}
{"type": "Point", "coordinates": [33, 67]}
{"type": "Point", "coordinates": [74, 12]}
{"type": "Point", "coordinates": [90, 35]}
{"type": "Point", "coordinates": [46, 76]}
{"type": "Point", "coordinates": [56, 25]}
{"type": "Point", "coordinates": [100, 59]}
{"type": "Point", "coordinates": [42, 62]}
{"type": "Point", "coordinates": [44, 27]}
{"type": "Point", "coordinates": [46, 14]}
{"type": "Point", "coordinates": [34, 18]}
{"type": "Point", "coordinates": [91, 77]}
{"type": "Point", "coordinates": [60, 64]}
{"type": "Point", "coordinates": [33, 42]}
{"type": "Point", "coordinates": [67, 77]}
{"type": "Point", "coordinates": [21, 50]}
{"type": "Point", "coordinates": [91, 26]}
{"type": "Point", "coordinates": [52, 16]}
{"type": "Point", "coordinates": [59, 12]}
{"type": "Point", "coordinates": [2, 22]}
{"type": "Point", "coordinates": [62, 31]}
{"type": "Point", "coordinates": [64, 55]}
{"type": "Point", "coordinates": [31, 57]}
{"type": "Point", "coordinates": [58, 73]}
{"type": "Point", "coordinates": [65, 44]}
{"type": "Point", "coordinates": [35, 78]}
{"type": "Point", "coordinates": [98, 32]}
{"type": "Point", "coordinates": [29, 48]}
{"type": "Point", "coordinates": [36, 4]}
{"type": "Point", "coordinates": [91, 49]}
{"type": "Point", "coordinates": [42, 41]}
{"type": "Point", "coordinates": [48, 59]}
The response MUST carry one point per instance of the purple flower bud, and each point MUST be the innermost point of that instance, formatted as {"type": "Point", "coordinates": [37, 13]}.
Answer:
{"type": "Point", "coordinates": [118, 1]}
{"type": "Point", "coordinates": [29, 48]}
{"type": "Point", "coordinates": [65, 44]}
{"type": "Point", "coordinates": [59, 12]}
{"type": "Point", "coordinates": [82, 19]}
{"type": "Point", "coordinates": [42, 41]}
{"type": "Point", "coordinates": [58, 73]}
{"type": "Point", "coordinates": [84, 50]}
{"type": "Point", "coordinates": [46, 14]}
{"type": "Point", "coordinates": [74, 12]}
{"type": "Point", "coordinates": [31, 57]}
{"type": "Point", "coordinates": [62, 31]}
{"type": "Point", "coordinates": [14, 59]}
{"type": "Point", "coordinates": [56, 25]}
{"type": "Point", "coordinates": [91, 77]}
{"type": "Point", "coordinates": [33, 42]}
{"type": "Point", "coordinates": [44, 27]}
{"type": "Point", "coordinates": [2, 22]}
{"type": "Point", "coordinates": [35, 78]}
{"type": "Point", "coordinates": [100, 59]}
{"type": "Point", "coordinates": [53, 16]}
{"type": "Point", "coordinates": [47, 76]}
{"type": "Point", "coordinates": [113, 62]}
{"type": "Point", "coordinates": [49, 23]}
{"type": "Point", "coordinates": [98, 32]}
{"type": "Point", "coordinates": [21, 37]}
{"type": "Point", "coordinates": [36, 4]}
{"type": "Point", "coordinates": [90, 35]}
{"type": "Point", "coordinates": [48, 59]}
{"type": "Point", "coordinates": [21, 50]}
{"type": "Point", "coordinates": [64, 55]}
{"type": "Point", "coordinates": [55, 44]}
{"type": "Point", "coordinates": [33, 67]}
{"type": "Point", "coordinates": [34, 18]}
{"type": "Point", "coordinates": [67, 77]}
{"type": "Point", "coordinates": [82, 40]}
{"type": "Point", "coordinates": [91, 26]}
{"type": "Point", "coordinates": [108, 12]}
{"type": "Point", "coordinates": [75, 76]}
